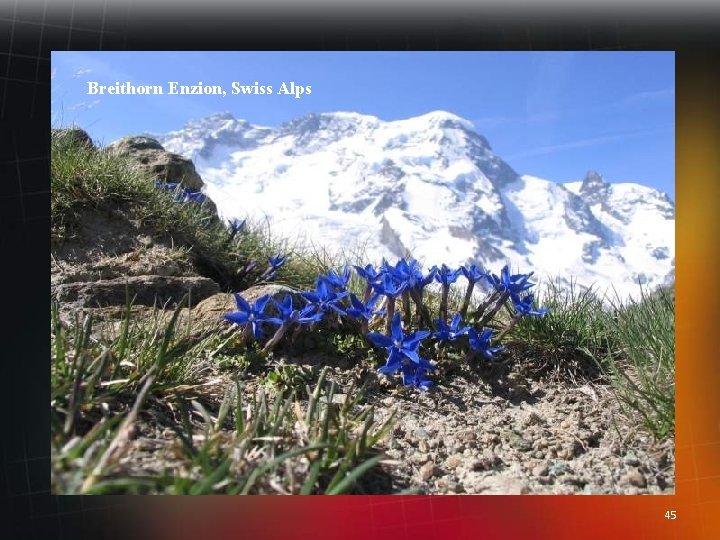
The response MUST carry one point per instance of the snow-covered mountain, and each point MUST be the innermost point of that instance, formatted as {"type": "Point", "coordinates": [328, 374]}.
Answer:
{"type": "Point", "coordinates": [429, 186]}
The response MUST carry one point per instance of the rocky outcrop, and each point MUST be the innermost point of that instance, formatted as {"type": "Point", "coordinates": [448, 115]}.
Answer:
{"type": "Point", "coordinates": [594, 189]}
{"type": "Point", "coordinates": [146, 290]}
{"type": "Point", "coordinates": [74, 136]}
{"type": "Point", "coordinates": [151, 157]}
{"type": "Point", "coordinates": [212, 310]}
{"type": "Point", "coordinates": [112, 257]}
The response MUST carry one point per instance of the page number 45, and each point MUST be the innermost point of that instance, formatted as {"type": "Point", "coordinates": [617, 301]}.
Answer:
{"type": "Point", "coordinates": [671, 514]}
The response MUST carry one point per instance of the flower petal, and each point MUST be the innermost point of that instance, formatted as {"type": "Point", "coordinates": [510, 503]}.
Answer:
{"type": "Point", "coordinates": [261, 302]}
{"type": "Point", "coordinates": [380, 340]}
{"type": "Point", "coordinates": [412, 355]}
{"type": "Point", "coordinates": [241, 303]}
{"type": "Point", "coordinates": [237, 317]}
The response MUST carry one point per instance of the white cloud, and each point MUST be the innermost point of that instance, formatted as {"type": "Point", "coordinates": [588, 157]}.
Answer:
{"type": "Point", "coordinates": [80, 72]}
{"type": "Point", "coordinates": [84, 105]}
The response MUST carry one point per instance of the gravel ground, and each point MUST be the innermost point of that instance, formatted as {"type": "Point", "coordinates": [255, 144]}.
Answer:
{"type": "Point", "coordinates": [501, 432]}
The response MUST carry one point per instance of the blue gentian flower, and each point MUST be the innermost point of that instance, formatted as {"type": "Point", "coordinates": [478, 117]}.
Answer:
{"type": "Point", "coordinates": [412, 274]}
{"type": "Point", "coordinates": [324, 300]}
{"type": "Point", "coordinates": [417, 379]}
{"type": "Point", "coordinates": [390, 285]}
{"type": "Point", "coordinates": [513, 284]}
{"type": "Point", "coordinates": [193, 196]}
{"type": "Point", "coordinates": [401, 348]}
{"type": "Point", "coordinates": [251, 315]}
{"type": "Point", "coordinates": [368, 273]}
{"type": "Point", "coordinates": [473, 273]}
{"type": "Point", "coordinates": [167, 186]}
{"type": "Point", "coordinates": [451, 332]}
{"type": "Point", "coordinates": [481, 343]}
{"type": "Point", "coordinates": [336, 281]}
{"type": "Point", "coordinates": [446, 276]}
{"type": "Point", "coordinates": [360, 310]}
{"type": "Point", "coordinates": [277, 261]}
{"type": "Point", "coordinates": [524, 306]}
{"type": "Point", "coordinates": [290, 315]}
{"type": "Point", "coordinates": [236, 226]}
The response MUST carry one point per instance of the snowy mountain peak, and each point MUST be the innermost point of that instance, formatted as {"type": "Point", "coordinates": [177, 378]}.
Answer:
{"type": "Point", "coordinates": [444, 119]}
{"type": "Point", "coordinates": [593, 182]}
{"type": "Point", "coordinates": [430, 186]}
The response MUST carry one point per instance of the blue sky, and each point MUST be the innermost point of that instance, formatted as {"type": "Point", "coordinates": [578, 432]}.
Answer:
{"type": "Point", "coordinates": [549, 114]}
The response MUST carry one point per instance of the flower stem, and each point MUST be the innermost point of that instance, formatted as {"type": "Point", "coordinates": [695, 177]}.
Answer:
{"type": "Point", "coordinates": [276, 337]}
{"type": "Point", "coordinates": [364, 327]}
{"type": "Point", "coordinates": [247, 334]}
{"type": "Point", "coordinates": [489, 299]}
{"type": "Point", "coordinates": [422, 315]}
{"type": "Point", "coordinates": [443, 302]}
{"type": "Point", "coordinates": [390, 313]}
{"type": "Point", "coordinates": [466, 301]}
{"type": "Point", "coordinates": [510, 325]}
{"type": "Point", "coordinates": [368, 293]}
{"type": "Point", "coordinates": [498, 304]}
{"type": "Point", "coordinates": [406, 307]}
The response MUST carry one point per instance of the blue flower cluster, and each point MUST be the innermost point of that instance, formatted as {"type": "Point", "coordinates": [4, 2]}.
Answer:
{"type": "Point", "coordinates": [181, 195]}
{"type": "Point", "coordinates": [404, 281]}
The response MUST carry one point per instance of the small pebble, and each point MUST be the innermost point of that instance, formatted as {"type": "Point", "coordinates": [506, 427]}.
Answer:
{"type": "Point", "coordinates": [545, 480]}
{"type": "Point", "coordinates": [636, 478]}
{"type": "Point", "coordinates": [453, 461]}
{"type": "Point", "coordinates": [572, 480]}
{"type": "Point", "coordinates": [449, 486]}
{"type": "Point", "coordinates": [631, 459]}
{"type": "Point", "coordinates": [419, 457]}
{"type": "Point", "coordinates": [427, 471]}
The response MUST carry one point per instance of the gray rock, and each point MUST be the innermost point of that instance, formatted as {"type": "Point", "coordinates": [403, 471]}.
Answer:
{"type": "Point", "coordinates": [520, 443]}
{"type": "Point", "coordinates": [152, 158]}
{"type": "Point", "coordinates": [145, 290]}
{"type": "Point", "coordinates": [635, 478]}
{"type": "Point", "coordinates": [428, 470]}
{"type": "Point", "coordinates": [73, 136]}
